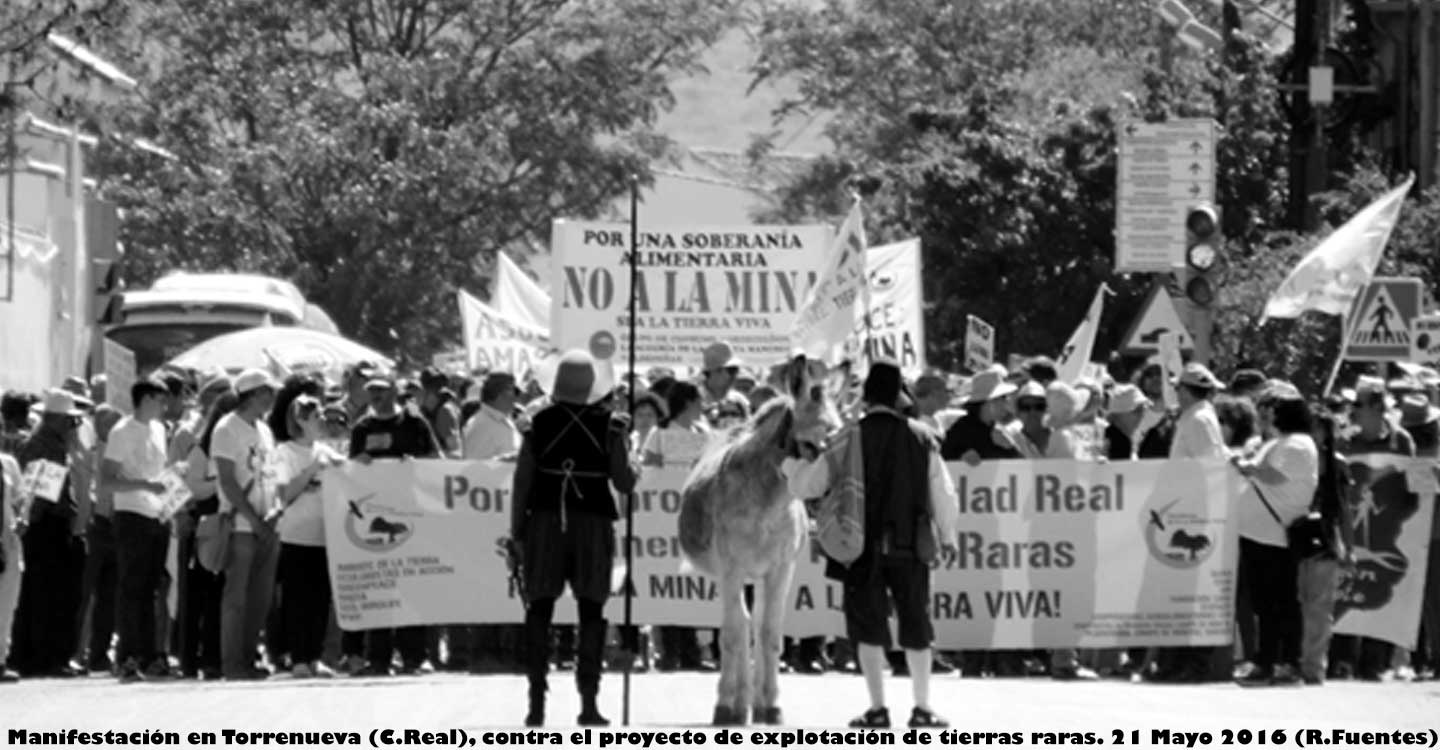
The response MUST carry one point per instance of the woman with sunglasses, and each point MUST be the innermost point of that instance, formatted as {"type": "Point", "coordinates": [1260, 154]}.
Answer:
{"type": "Point", "coordinates": [304, 569]}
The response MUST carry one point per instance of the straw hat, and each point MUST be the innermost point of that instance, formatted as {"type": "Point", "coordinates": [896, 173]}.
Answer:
{"type": "Point", "coordinates": [990, 384]}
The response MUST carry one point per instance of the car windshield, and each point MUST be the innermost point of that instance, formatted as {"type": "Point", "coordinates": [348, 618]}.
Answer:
{"type": "Point", "coordinates": [154, 345]}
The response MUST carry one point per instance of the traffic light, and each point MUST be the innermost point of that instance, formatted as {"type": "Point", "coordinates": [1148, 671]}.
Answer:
{"type": "Point", "coordinates": [1202, 254]}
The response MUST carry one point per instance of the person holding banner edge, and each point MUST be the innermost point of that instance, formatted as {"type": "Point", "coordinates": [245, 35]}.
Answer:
{"type": "Point", "coordinates": [562, 524]}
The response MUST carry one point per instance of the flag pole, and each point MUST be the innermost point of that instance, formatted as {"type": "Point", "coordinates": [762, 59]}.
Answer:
{"type": "Point", "coordinates": [629, 638]}
{"type": "Point", "coordinates": [868, 352]}
{"type": "Point", "coordinates": [1345, 332]}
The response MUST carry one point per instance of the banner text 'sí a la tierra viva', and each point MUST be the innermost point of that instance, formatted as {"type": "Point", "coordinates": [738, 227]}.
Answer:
{"type": "Point", "coordinates": [741, 284]}
{"type": "Point", "coordinates": [1051, 554]}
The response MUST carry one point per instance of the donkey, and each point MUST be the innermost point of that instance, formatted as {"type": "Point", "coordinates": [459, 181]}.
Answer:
{"type": "Point", "coordinates": [739, 524]}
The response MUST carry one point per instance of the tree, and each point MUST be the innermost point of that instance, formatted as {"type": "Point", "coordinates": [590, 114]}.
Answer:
{"type": "Point", "coordinates": [378, 152]}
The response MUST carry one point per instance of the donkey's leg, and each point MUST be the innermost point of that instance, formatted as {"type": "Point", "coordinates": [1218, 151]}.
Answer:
{"type": "Point", "coordinates": [769, 641]}
{"type": "Point", "coordinates": [733, 703]}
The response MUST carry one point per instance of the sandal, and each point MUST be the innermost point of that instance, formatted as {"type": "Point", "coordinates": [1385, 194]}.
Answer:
{"type": "Point", "coordinates": [924, 718]}
{"type": "Point", "coordinates": [875, 718]}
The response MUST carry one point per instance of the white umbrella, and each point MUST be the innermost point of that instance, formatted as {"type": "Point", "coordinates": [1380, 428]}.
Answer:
{"type": "Point", "coordinates": [272, 348]}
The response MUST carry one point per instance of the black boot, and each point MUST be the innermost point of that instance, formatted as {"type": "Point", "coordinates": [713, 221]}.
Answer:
{"type": "Point", "coordinates": [588, 664]}
{"type": "Point", "coordinates": [537, 663]}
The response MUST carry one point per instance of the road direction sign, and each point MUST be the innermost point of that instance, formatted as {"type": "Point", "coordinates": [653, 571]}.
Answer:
{"type": "Point", "coordinates": [1164, 168]}
{"type": "Point", "coordinates": [1380, 321]}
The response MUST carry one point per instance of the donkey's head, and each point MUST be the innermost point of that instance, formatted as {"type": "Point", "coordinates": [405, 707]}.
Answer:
{"type": "Point", "coordinates": [809, 414]}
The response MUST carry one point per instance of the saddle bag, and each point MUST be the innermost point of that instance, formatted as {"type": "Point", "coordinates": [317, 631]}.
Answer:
{"type": "Point", "coordinates": [840, 521]}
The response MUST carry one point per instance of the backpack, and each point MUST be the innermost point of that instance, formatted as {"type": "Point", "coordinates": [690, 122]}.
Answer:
{"type": "Point", "coordinates": [840, 519]}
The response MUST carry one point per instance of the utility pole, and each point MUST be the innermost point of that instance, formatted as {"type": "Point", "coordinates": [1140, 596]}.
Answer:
{"type": "Point", "coordinates": [1308, 162]}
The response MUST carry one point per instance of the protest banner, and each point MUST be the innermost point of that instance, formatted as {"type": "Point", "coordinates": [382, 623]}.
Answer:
{"type": "Point", "coordinates": [1056, 554]}
{"type": "Point", "coordinates": [697, 285]}
{"type": "Point", "coordinates": [119, 376]}
{"type": "Point", "coordinates": [1380, 597]}
{"type": "Point", "coordinates": [894, 326]}
{"type": "Point", "coordinates": [1069, 554]}
{"type": "Point", "coordinates": [496, 342]}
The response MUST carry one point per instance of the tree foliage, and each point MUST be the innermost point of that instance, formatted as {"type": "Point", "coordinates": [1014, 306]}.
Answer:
{"type": "Point", "coordinates": [990, 128]}
{"type": "Point", "coordinates": [378, 152]}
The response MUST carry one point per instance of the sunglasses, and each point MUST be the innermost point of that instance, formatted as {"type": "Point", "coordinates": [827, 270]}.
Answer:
{"type": "Point", "coordinates": [1030, 406]}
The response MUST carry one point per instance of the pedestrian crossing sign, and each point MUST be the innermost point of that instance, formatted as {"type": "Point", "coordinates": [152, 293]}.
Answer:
{"type": "Point", "coordinates": [1379, 324]}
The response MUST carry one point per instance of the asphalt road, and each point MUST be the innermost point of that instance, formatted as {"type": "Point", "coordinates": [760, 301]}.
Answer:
{"type": "Point", "coordinates": [442, 702]}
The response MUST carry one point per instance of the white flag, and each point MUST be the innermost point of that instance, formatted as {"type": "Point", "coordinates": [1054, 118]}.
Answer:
{"type": "Point", "coordinates": [1077, 352]}
{"type": "Point", "coordinates": [518, 297]}
{"type": "Point", "coordinates": [1329, 278]}
{"type": "Point", "coordinates": [838, 298]}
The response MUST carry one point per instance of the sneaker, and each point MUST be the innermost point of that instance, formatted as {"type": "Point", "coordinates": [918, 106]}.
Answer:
{"type": "Point", "coordinates": [1258, 677]}
{"type": "Point", "coordinates": [320, 670]}
{"type": "Point", "coordinates": [160, 670]}
{"type": "Point", "coordinates": [1405, 674]}
{"type": "Point", "coordinates": [8, 676]}
{"type": "Point", "coordinates": [875, 718]}
{"type": "Point", "coordinates": [1285, 675]}
{"type": "Point", "coordinates": [924, 718]}
{"type": "Point", "coordinates": [1075, 673]}
{"type": "Point", "coordinates": [1244, 669]}
{"type": "Point", "coordinates": [302, 672]}
{"type": "Point", "coordinates": [352, 664]}
{"type": "Point", "coordinates": [130, 672]}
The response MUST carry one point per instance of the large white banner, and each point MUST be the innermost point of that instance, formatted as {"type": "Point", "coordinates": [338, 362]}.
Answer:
{"type": "Point", "coordinates": [518, 297]}
{"type": "Point", "coordinates": [1393, 505]}
{"type": "Point", "coordinates": [831, 307]}
{"type": "Point", "coordinates": [498, 342]}
{"type": "Point", "coordinates": [1052, 554]}
{"type": "Point", "coordinates": [697, 285]}
{"type": "Point", "coordinates": [895, 325]}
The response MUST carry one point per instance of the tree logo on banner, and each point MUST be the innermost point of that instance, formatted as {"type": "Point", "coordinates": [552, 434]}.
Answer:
{"type": "Point", "coordinates": [1179, 537]}
{"type": "Point", "coordinates": [376, 528]}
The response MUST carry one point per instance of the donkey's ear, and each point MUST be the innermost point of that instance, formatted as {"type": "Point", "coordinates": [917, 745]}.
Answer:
{"type": "Point", "coordinates": [798, 375]}
{"type": "Point", "coordinates": [784, 439]}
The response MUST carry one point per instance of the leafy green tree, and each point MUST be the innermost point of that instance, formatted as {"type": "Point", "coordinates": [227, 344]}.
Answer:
{"type": "Point", "coordinates": [378, 152]}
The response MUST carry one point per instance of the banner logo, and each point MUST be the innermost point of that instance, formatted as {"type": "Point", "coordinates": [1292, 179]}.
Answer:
{"type": "Point", "coordinates": [376, 528]}
{"type": "Point", "coordinates": [1178, 539]}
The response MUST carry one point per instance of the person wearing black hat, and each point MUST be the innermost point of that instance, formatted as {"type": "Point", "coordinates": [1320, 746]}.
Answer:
{"type": "Point", "coordinates": [911, 512]}
{"type": "Point", "coordinates": [562, 523]}
{"type": "Point", "coordinates": [46, 628]}
{"type": "Point", "coordinates": [15, 423]}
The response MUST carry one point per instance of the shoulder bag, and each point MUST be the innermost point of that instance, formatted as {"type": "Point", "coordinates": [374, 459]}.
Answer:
{"type": "Point", "coordinates": [1306, 537]}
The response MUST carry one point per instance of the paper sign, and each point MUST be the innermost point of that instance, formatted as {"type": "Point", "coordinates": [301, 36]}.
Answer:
{"type": "Point", "coordinates": [979, 344]}
{"type": "Point", "coordinates": [176, 493]}
{"type": "Point", "coordinates": [1425, 339]}
{"type": "Point", "coordinates": [44, 480]}
{"type": "Point", "coordinates": [119, 376]}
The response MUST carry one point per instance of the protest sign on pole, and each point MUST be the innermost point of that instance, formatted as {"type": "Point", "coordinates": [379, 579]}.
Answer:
{"type": "Point", "coordinates": [698, 285]}
{"type": "Point", "coordinates": [119, 375]}
{"type": "Point", "coordinates": [1172, 363]}
{"type": "Point", "coordinates": [1381, 596]}
{"type": "Point", "coordinates": [1052, 555]}
{"type": "Point", "coordinates": [894, 327]}
{"type": "Point", "coordinates": [979, 344]}
{"type": "Point", "coordinates": [496, 342]}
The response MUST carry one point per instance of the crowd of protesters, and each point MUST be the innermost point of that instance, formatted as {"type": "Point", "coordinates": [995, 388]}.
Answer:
{"type": "Point", "coordinates": [106, 579]}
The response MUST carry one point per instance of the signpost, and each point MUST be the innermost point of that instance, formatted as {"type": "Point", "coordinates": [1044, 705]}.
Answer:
{"type": "Point", "coordinates": [1379, 325]}
{"type": "Point", "coordinates": [979, 344]}
{"type": "Point", "coordinates": [1164, 169]}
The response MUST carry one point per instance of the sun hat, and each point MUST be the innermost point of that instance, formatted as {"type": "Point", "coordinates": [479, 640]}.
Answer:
{"type": "Point", "coordinates": [1196, 375]}
{"type": "Point", "coordinates": [990, 384]}
{"type": "Point", "coordinates": [1280, 390]}
{"type": "Point", "coordinates": [254, 379]}
{"type": "Point", "coordinates": [1416, 410]}
{"type": "Point", "coordinates": [1063, 402]}
{"type": "Point", "coordinates": [59, 402]}
{"type": "Point", "coordinates": [578, 381]}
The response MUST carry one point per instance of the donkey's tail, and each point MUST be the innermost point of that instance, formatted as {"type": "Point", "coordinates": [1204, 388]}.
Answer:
{"type": "Point", "coordinates": [697, 525]}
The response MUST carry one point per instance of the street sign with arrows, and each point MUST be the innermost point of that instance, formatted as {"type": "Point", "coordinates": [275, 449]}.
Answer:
{"type": "Point", "coordinates": [1164, 169]}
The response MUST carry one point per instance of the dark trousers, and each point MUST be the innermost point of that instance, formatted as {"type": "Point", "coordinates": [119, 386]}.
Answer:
{"type": "Point", "coordinates": [590, 649]}
{"type": "Point", "coordinates": [305, 576]}
{"type": "Point", "coordinates": [98, 591]}
{"type": "Point", "coordinates": [140, 547]}
{"type": "Point", "coordinates": [352, 643]}
{"type": "Point", "coordinates": [1369, 658]}
{"type": "Point", "coordinates": [411, 642]}
{"type": "Point", "coordinates": [47, 622]}
{"type": "Point", "coordinates": [1430, 609]}
{"type": "Point", "coordinates": [1274, 595]}
{"type": "Point", "coordinates": [199, 613]}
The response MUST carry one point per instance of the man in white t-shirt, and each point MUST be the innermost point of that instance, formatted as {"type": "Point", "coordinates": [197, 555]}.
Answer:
{"type": "Point", "coordinates": [135, 459]}
{"type": "Point", "coordinates": [242, 449]}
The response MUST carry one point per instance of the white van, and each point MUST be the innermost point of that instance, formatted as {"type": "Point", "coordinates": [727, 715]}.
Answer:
{"type": "Point", "coordinates": [181, 310]}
